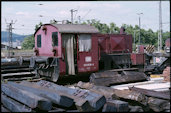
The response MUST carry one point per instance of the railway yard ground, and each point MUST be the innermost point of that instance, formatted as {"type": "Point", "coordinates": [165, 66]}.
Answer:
{"type": "Point", "coordinates": [22, 91]}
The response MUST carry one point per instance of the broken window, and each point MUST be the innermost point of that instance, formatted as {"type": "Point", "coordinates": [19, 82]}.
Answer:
{"type": "Point", "coordinates": [84, 42]}
{"type": "Point", "coordinates": [39, 41]}
{"type": "Point", "coordinates": [54, 38]}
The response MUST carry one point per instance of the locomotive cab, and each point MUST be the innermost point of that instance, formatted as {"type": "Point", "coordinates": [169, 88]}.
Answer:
{"type": "Point", "coordinates": [65, 49]}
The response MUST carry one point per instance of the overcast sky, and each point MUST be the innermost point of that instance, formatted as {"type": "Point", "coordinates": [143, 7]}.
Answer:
{"type": "Point", "coordinates": [28, 14]}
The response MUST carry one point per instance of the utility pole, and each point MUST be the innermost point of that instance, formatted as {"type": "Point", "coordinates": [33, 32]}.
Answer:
{"type": "Point", "coordinates": [72, 11]}
{"type": "Point", "coordinates": [139, 27]}
{"type": "Point", "coordinates": [10, 42]}
{"type": "Point", "coordinates": [160, 28]}
{"type": "Point", "coordinates": [79, 18]}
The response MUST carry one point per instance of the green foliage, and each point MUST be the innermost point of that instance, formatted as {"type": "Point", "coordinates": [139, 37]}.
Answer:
{"type": "Point", "coordinates": [53, 21]}
{"type": "Point", "coordinates": [28, 43]}
{"type": "Point", "coordinates": [165, 36]}
{"type": "Point", "coordinates": [147, 36]}
{"type": "Point", "coordinates": [38, 25]}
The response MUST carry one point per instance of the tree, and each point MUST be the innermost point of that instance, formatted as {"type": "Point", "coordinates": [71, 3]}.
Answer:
{"type": "Point", "coordinates": [38, 25]}
{"type": "Point", "coordinates": [28, 43]}
{"type": "Point", "coordinates": [147, 36]}
{"type": "Point", "coordinates": [165, 36]}
{"type": "Point", "coordinates": [53, 21]}
{"type": "Point", "coordinates": [113, 28]}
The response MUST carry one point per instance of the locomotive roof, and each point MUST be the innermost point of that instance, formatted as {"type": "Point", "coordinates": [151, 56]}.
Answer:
{"type": "Point", "coordinates": [73, 28]}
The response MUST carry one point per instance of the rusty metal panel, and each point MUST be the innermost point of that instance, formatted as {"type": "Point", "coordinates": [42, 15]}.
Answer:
{"type": "Point", "coordinates": [140, 48]}
{"type": "Point", "coordinates": [128, 39]}
{"type": "Point", "coordinates": [137, 58]}
{"type": "Point", "coordinates": [167, 42]}
{"type": "Point", "coordinates": [88, 61]}
{"type": "Point", "coordinates": [103, 41]}
{"type": "Point", "coordinates": [117, 43]}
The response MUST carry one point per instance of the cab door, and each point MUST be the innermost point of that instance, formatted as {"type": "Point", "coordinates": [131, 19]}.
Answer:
{"type": "Point", "coordinates": [87, 53]}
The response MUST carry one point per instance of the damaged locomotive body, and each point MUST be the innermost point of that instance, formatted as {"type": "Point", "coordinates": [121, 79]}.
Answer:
{"type": "Point", "coordinates": [72, 49]}
{"type": "Point", "coordinates": [65, 49]}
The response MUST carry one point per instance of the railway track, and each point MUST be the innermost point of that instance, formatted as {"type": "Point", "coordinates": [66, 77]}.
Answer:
{"type": "Point", "coordinates": [12, 71]}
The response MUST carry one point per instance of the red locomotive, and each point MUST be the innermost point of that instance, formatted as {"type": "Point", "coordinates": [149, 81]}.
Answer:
{"type": "Point", "coordinates": [69, 49]}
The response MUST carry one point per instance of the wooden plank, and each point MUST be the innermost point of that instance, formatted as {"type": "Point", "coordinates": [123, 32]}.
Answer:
{"type": "Point", "coordinates": [127, 69]}
{"type": "Point", "coordinates": [105, 74]}
{"type": "Point", "coordinates": [55, 109]}
{"type": "Point", "coordinates": [27, 98]}
{"type": "Point", "coordinates": [72, 111]}
{"type": "Point", "coordinates": [108, 108]}
{"type": "Point", "coordinates": [152, 93]}
{"type": "Point", "coordinates": [116, 94]}
{"type": "Point", "coordinates": [106, 91]}
{"type": "Point", "coordinates": [3, 109]}
{"type": "Point", "coordinates": [82, 104]}
{"type": "Point", "coordinates": [95, 100]}
{"type": "Point", "coordinates": [56, 97]}
{"type": "Point", "coordinates": [135, 108]}
{"type": "Point", "coordinates": [155, 86]}
{"type": "Point", "coordinates": [108, 78]}
{"type": "Point", "coordinates": [115, 106]}
{"type": "Point", "coordinates": [13, 105]}
{"type": "Point", "coordinates": [158, 105]}
{"type": "Point", "coordinates": [126, 86]}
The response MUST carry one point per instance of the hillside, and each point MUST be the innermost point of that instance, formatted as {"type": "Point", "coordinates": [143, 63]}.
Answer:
{"type": "Point", "coordinates": [4, 37]}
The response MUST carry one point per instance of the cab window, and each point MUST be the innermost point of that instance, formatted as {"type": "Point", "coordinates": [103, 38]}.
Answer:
{"type": "Point", "coordinates": [39, 41]}
{"type": "Point", "coordinates": [54, 38]}
{"type": "Point", "coordinates": [84, 42]}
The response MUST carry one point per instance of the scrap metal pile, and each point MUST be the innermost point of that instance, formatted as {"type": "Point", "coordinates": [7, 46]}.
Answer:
{"type": "Point", "coordinates": [47, 96]}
